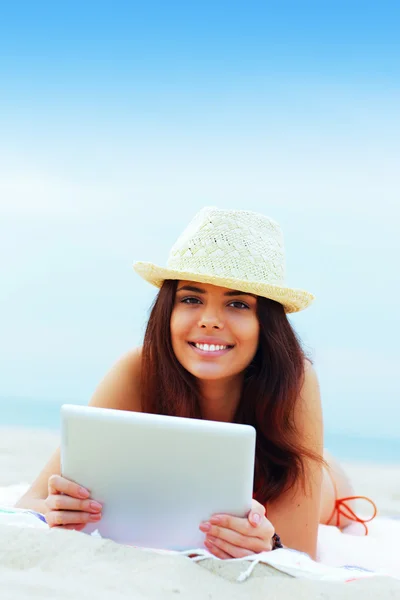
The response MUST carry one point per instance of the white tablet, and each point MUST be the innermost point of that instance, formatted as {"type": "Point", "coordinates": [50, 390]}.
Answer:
{"type": "Point", "coordinates": [157, 477]}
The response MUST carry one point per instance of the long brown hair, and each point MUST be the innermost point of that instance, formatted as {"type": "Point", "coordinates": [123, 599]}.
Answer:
{"type": "Point", "coordinates": [272, 385]}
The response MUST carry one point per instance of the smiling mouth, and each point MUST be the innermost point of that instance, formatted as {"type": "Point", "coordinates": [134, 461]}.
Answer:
{"type": "Point", "coordinates": [211, 347]}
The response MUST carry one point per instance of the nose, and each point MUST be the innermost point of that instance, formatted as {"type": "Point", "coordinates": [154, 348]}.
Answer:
{"type": "Point", "coordinates": [210, 319]}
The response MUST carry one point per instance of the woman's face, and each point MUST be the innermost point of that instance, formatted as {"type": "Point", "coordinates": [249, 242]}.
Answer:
{"type": "Point", "coordinates": [214, 330]}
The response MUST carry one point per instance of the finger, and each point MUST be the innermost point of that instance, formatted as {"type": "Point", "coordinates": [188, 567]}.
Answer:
{"type": "Point", "coordinates": [241, 525]}
{"type": "Point", "coordinates": [221, 546]}
{"type": "Point", "coordinates": [250, 542]}
{"type": "Point", "coordinates": [60, 485]}
{"type": "Point", "coordinates": [256, 514]}
{"type": "Point", "coordinates": [216, 551]}
{"type": "Point", "coordinates": [69, 517]}
{"type": "Point", "coordinates": [62, 502]}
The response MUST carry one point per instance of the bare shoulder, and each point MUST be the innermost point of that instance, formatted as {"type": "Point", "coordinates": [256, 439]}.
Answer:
{"type": "Point", "coordinates": [310, 391]}
{"type": "Point", "coordinates": [308, 412]}
{"type": "Point", "coordinates": [120, 388]}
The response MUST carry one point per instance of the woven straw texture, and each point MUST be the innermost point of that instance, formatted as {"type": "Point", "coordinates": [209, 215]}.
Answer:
{"type": "Point", "coordinates": [236, 249]}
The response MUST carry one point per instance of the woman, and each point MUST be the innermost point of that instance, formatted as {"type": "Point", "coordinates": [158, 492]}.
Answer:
{"type": "Point", "coordinates": [219, 346]}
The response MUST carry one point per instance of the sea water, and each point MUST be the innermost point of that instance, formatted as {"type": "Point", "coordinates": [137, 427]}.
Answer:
{"type": "Point", "coordinates": [45, 414]}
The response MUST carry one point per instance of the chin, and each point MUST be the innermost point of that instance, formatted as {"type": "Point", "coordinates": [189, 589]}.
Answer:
{"type": "Point", "coordinates": [209, 372]}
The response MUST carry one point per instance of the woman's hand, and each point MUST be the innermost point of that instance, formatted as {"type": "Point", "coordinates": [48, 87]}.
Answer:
{"type": "Point", "coordinates": [235, 537]}
{"type": "Point", "coordinates": [69, 505]}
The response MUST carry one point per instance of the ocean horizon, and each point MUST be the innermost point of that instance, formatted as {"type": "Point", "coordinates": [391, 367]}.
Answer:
{"type": "Point", "coordinates": [33, 413]}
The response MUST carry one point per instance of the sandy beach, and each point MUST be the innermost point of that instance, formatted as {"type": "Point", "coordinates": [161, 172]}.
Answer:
{"type": "Point", "coordinates": [34, 563]}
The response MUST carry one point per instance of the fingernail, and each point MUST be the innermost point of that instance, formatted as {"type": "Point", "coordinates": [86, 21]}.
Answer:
{"type": "Point", "coordinates": [256, 518]}
{"type": "Point", "coordinates": [96, 506]}
{"type": "Point", "coordinates": [96, 517]}
{"type": "Point", "coordinates": [215, 520]}
{"type": "Point", "coordinates": [83, 492]}
{"type": "Point", "coordinates": [205, 526]}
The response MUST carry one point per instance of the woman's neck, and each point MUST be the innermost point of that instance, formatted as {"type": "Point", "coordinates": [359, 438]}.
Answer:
{"type": "Point", "coordinates": [220, 399]}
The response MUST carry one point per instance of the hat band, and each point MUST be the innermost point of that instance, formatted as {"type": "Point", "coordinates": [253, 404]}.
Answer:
{"type": "Point", "coordinates": [230, 268]}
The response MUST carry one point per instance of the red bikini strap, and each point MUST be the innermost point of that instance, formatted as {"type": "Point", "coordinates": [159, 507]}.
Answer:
{"type": "Point", "coordinates": [340, 507]}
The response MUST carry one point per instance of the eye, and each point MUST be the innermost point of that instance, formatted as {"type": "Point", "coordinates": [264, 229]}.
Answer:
{"type": "Point", "coordinates": [190, 300]}
{"type": "Point", "coordinates": [238, 304]}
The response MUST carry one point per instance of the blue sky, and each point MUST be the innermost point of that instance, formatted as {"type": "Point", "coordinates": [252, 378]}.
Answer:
{"type": "Point", "coordinates": [120, 120]}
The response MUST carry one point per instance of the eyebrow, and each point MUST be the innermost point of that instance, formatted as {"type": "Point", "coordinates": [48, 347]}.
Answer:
{"type": "Point", "coordinates": [197, 290]}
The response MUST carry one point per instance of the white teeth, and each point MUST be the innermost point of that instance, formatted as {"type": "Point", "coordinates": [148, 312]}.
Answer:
{"type": "Point", "coordinates": [210, 347]}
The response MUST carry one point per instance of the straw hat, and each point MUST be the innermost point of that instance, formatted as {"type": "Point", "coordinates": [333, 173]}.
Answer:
{"type": "Point", "coordinates": [236, 249]}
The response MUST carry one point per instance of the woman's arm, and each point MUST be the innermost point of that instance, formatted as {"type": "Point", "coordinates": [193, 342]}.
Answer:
{"type": "Point", "coordinates": [296, 513]}
{"type": "Point", "coordinates": [120, 389]}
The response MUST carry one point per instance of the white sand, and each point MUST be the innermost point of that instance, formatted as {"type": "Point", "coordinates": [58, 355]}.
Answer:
{"type": "Point", "coordinates": [65, 565]}
{"type": "Point", "coordinates": [68, 565]}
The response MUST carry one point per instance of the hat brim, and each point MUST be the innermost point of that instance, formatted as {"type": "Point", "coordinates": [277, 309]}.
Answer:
{"type": "Point", "coordinates": [293, 300]}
